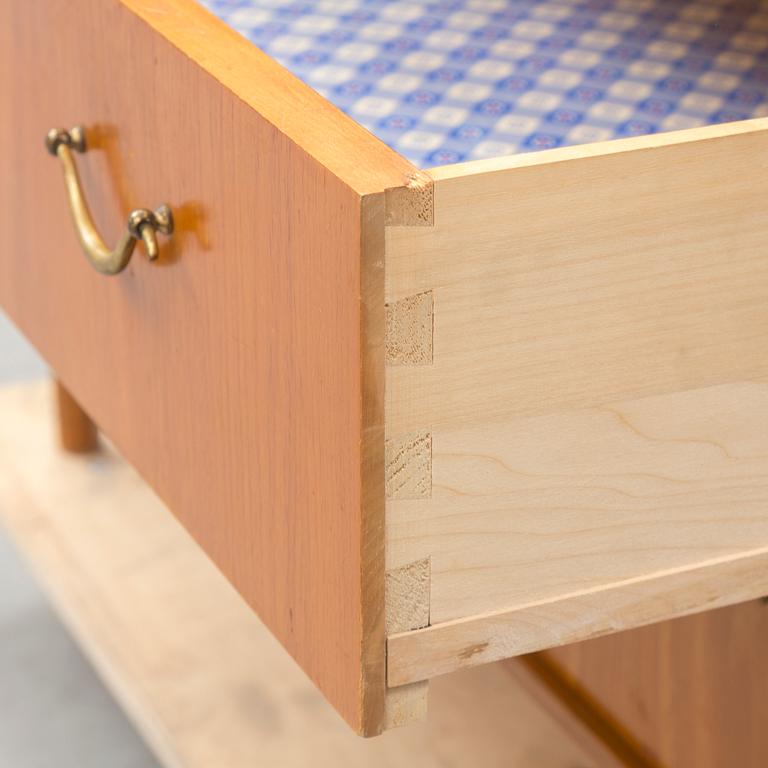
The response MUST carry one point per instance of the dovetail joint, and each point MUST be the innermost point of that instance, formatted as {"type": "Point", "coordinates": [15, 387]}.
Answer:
{"type": "Point", "coordinates": [412, 205]}
{"type": "Point", "coordinates": [410, 330]}
{"type": "Point", "coordinates": [408, 461]}
{"type": "Point", "coordinates": [408, 597]}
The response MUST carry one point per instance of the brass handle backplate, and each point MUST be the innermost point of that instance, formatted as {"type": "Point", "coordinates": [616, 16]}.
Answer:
{"type": "Point", "coordinates": [142, 224]}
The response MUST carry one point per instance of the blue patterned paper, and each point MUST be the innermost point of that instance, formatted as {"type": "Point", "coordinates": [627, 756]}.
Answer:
{"type": "Point", "coordinates": [448, 80]}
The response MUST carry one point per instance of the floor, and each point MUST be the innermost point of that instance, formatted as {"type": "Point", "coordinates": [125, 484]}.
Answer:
{"type": "Point", "coordinates": [54, 711]}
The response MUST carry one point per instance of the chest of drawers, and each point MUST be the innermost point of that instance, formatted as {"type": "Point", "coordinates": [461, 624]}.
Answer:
{"type": "Point", "coordinates": [419, 419]}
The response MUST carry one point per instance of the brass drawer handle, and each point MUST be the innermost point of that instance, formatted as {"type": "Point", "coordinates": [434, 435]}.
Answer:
{"type": "Point", "coordinates": [142, 223]}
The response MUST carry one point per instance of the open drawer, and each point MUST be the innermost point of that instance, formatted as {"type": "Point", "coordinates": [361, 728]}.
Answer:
{"type": "Point", "coordinates": [420, 419]}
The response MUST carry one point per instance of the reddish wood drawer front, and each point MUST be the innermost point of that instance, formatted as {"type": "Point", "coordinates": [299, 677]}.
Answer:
{"type": "Point", "coordinates": [229, 372]}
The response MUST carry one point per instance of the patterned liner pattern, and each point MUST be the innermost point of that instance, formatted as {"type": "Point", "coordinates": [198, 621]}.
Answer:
{"type": "Point", "coordinates": [443, 81]}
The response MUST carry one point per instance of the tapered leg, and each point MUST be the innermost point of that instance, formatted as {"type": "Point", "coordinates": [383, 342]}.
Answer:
{"type": "Point", "coordinates": [77, 433]}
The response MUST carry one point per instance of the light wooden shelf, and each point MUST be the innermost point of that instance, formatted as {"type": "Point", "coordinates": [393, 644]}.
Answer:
{"type": "Point", "coordinates": [199, 675]}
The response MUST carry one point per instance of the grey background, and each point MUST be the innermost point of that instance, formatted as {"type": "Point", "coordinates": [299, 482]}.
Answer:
{"type": "Point", "coordinates": [54, 711]}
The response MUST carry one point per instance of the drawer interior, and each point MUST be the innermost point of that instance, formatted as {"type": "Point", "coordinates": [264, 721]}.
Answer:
{"type": "Point", "coordinates": [452, 80]}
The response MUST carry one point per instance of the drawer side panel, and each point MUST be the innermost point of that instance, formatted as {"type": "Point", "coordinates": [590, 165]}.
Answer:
{"type": "Point", "coordinates": [596, 395]}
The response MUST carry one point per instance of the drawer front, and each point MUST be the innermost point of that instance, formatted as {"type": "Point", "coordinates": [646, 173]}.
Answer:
{"type": "Point", "coordinates": [228, 371]}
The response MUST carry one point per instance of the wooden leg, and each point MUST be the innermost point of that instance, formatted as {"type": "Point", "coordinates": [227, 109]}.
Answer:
{"type": "Point", "coordinates": [77, 433]}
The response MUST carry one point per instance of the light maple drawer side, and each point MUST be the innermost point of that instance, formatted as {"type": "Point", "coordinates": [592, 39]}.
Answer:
{"type": "Point", "coordinates": [579, 444]}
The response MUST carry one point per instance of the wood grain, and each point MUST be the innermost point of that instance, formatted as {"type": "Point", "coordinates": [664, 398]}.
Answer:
{"type": "Point", "coordinates": [407, 608]}
{"type": "Point", "coordinates": [77, 433]}
{"type": "Point", "coordinates": [371, 577]}
{"type": "Point", "coordinates": [233, 373]}
{"type": "Point", "coordinates": [593, 726]}
{"type": "Point", "coordinates": [691, 692]}
{"type": "Point", "coordinates": [412, 204]}
{"type": "Point", "coordinates": [533, 509]}
{"type": "Point", "coordinates": [409, 330]}
{"type": "Point", "coordinates": [549, 278]}
{"type": "Point", "coordinates": [203, 680]}
{"type": "Point", "coordinates": [338, 143]}
{"type": "Point", "coordinates": [597, 398]}
{"type": "Point", "coordinates": [407, 590]}
{"type": "Point", "coordinates": [451, 645]}
{"type": "Point", "coordinates": [408, 466]}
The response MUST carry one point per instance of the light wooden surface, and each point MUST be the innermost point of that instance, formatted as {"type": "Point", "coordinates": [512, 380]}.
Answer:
{"type": "Point", "coordinates": [201, 677]}
{"type": "Point", "coordinates": [691, 692]}
{"type": "Point", "coordinates": [596, 401]}
{"type": "Point", "coordinates": [529, 510]}
{"type": "Point", "coordinates": [478, 639]}
{"type": "Point", "coordinates": [77, 433]}
{"type": "Point", "coordinates": [232, 373]}
{"type": "Point", "coordinates": [375, 709]}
